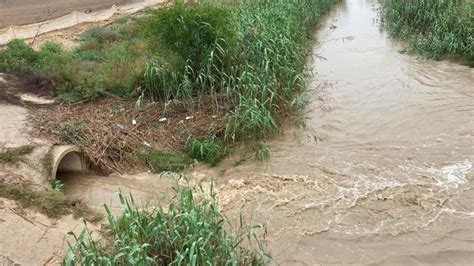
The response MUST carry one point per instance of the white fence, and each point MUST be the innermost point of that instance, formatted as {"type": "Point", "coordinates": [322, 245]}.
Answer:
{"type": "Point", "coordinates": [72, 19]}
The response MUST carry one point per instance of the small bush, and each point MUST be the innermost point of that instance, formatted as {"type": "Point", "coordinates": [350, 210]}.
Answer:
{"type": "Point", "coordinates": [17, 57]}
{"type": "Point", "coordinates": [211, 151]}
{"type": "Point", "coordinates": [192, 31]}
{"type": "Point", "coordinates": [189, 232]}
{"type": "Point", "coordinates": [162, 161]}
{"type": "Point", "coordinates": [57, 185]}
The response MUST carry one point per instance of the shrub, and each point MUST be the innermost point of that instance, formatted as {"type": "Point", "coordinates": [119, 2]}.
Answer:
{"type": "Point", "coordinates": [17, 57]}
{"type": "Point", "coordinates": [192, 31]}
{"type": "Point", "coordinates": [211, 151]}
{"type": "Point", "coordinates": [189, 232]}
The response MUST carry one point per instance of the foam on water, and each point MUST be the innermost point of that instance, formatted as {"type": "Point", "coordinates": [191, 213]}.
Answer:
{"type": "Point", "coordinates": [451, 176]}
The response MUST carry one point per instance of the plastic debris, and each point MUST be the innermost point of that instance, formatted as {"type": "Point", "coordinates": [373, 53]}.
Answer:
{"type": "Point", "coordinates": [164, 119]}
{"type": "Point", "coordinates": [134, 122]}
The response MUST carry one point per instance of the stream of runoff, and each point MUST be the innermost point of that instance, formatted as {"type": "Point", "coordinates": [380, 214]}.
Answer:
{"type": "Point", "coordinates": [381, 173]}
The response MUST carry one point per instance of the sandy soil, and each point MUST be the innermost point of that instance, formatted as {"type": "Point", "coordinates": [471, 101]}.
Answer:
{"type": "Point", "coordinates": [30, 238]}
{"type": "Point", "coordinates": [20, 12]}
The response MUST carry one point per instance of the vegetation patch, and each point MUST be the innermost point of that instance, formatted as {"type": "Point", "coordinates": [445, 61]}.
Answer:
{"type": "Point", "coordinates": [12, 155]}
{"type": "Point", "coordinates": [262, 151]}
{"type": "Point", "coordinates": [211, 151]}
{"type": "Point", "coordinates": [162, 161]}
{"type": "Point", "coordinates": [191, 231]}
{"type": "Point", "coordinates": [437, 29]}
{"type": "Point", "coordinates": [243, 62]}
{"type": "Point", "coordinates": [51, 203]}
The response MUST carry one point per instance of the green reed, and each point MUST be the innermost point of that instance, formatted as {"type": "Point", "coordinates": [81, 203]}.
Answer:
{"type": "Point", "coordinates": [190, 231]}
{"type": "Point", "coordinates": [437, 29]}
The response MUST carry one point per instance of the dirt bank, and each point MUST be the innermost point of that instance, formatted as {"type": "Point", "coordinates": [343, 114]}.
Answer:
{"type": "Point", "coordinates": [20, 12]}
{"type": "Point", "coordinates": [30, 238]}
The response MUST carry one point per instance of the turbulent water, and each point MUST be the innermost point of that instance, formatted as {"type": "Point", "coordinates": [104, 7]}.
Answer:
{"type": "Point", "coordinates": [382, 171]}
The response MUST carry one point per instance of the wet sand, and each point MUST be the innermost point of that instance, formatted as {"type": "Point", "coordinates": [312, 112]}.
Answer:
{"type": "Point", "coordinates": [21, 12]}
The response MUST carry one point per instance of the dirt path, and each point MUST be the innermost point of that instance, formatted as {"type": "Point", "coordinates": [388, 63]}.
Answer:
{"type": "Point", "coordinates": [30, 238]}
{"type": "Point", "coordinates": [20, 12]}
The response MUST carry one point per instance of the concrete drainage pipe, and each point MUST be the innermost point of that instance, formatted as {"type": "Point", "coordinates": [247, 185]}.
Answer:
{"type": "Point", "coordinates": [67, 159]}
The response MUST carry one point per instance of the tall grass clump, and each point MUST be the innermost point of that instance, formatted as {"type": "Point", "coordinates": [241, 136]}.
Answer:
{"type": "Point", "coordinates": [211, 151]}
{"type": "Point", "coordinates": [437, 29]}
{"type": "Point", "coordinates": [190, 231]}
{"type": "Point", "coordinates": [252, 52]}
{"type": "Point", "coordinates": [163, 161]}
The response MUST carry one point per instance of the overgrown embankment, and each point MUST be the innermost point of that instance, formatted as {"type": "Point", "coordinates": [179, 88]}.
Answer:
{"type": "Point", "coordinates": [439, 29]}
{"type": "Point", "coordinates": [244, 61]}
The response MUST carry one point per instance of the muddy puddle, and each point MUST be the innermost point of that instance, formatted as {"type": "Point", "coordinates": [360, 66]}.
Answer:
{"type": "Point", "coordinates": [382, 171]}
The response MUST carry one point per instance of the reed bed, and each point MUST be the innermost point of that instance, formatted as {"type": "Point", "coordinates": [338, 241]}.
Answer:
{"type": "Point", "coordinates": [438, 29]}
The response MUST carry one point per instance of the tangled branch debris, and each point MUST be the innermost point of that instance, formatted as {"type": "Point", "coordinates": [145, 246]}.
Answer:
{"type": "Point", "coordinates": [112, 132]}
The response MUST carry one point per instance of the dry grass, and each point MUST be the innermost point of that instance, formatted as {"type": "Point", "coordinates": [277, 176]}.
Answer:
{"type": "Point", "coordinates": [112, 141]}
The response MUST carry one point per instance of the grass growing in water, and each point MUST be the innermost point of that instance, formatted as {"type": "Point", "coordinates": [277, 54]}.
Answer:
{"type": "Point", "coordinates": [262, 151]}
{"type": "Point", "coordinates": [434, 28]}
{"type": "Point", "coordinates": [190, 232]}
{"type": "Point", "coordinates": [162, 161]}
{"type": "Point", "coordinates": [211, 151]}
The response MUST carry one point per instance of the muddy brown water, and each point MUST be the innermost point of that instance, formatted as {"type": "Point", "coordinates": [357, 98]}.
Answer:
{"type": "Point", "coordinates": [380, 174]}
